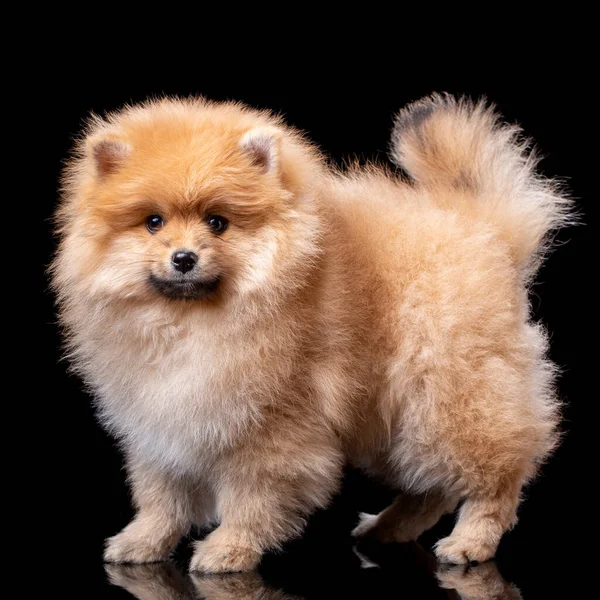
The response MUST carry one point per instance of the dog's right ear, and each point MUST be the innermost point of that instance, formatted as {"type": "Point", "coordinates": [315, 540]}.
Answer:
{"type": "Point", "coordinates": [106, 154]}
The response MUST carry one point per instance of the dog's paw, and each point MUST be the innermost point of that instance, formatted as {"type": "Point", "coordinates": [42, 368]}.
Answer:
{"type": "Point", "coordinates": [212, 556]}
{"type": "Point", "coordinates": [462, 550]}
{"type": "Point", "coordinates": [128, 549]}
{"type": "Point", "coordinates": [366, 524]}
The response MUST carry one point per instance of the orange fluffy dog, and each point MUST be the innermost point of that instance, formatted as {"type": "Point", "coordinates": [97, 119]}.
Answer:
{"type": "Point", "coordinates": [249, 320]}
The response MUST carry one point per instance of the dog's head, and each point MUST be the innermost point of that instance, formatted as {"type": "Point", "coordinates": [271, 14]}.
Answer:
{"type": "Point", "coordinates": [187, 200]}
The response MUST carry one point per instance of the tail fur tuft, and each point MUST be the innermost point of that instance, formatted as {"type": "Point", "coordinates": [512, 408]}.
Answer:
{"type": "Point", "coordinates": [471, 161]}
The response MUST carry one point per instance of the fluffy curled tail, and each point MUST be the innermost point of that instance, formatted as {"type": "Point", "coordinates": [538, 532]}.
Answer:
{"type": "Point", "coordinates": [469, 160]}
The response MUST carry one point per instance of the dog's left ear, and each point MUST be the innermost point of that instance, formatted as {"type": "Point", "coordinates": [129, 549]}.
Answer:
{"type": "Point", "coordinates": [262, 146]}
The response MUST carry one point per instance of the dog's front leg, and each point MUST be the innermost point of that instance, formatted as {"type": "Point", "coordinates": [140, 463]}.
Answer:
{"type": "Point", "coordinates": [266, 490]}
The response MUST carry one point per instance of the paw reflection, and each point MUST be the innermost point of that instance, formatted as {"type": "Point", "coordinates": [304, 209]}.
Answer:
{"type": "Point", "coordinates": [481, 582]}
{"type": "Point", "coordinates": [405, 570]}
{"type": "Point", "coordinates": [164, 582]}
{"type": "Point", "coordinates": [242, 586]}
{"type": "Point", "coordinates": [161, 581]}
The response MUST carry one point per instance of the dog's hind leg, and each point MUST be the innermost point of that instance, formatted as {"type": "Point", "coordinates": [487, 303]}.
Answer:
{"type": "Point", "coordinates": [406, 518]}
{"type": "Point", "coordinates": [482, 520]}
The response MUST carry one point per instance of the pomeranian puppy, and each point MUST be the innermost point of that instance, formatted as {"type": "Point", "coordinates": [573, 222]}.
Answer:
{"type": "Point", "coordinates": [250, 319]}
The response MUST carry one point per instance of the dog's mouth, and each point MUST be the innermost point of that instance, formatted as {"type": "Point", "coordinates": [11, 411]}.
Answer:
{"type": "Point", "coordinates": [194, 289]}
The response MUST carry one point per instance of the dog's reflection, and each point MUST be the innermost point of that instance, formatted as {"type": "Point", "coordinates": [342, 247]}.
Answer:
{"type": "Point", "coordinates": [245, 586]}
{"type": "Point", "coordinates": [481, 582]}
{"type": "Point", "coordinates": [160, 581]}
{"type": "Point", "coordinates": [472, 582]}
{"type": "Point", "coordinates": [164, 582]}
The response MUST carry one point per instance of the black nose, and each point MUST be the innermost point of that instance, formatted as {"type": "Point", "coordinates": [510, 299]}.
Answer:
{"type": "Point", "coordinates": [184, 260]}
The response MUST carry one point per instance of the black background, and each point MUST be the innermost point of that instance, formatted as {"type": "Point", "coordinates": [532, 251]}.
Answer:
{"type": "Point", "coordinates": [345, 101]}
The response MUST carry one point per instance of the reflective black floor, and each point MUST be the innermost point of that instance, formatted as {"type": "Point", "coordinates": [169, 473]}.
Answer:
{"type": "Point", "coordinates": [402, 571]}
{"type": "Point", "coordinates": [326, 565]}
{"type": "Point", "coordinates": [167, 582]}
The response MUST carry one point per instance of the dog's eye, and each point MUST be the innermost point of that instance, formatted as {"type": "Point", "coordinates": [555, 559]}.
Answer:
{"type": "Point", "coordinates": [154, 223]}
{"type": "Point", "coordinates": [217, 223]}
